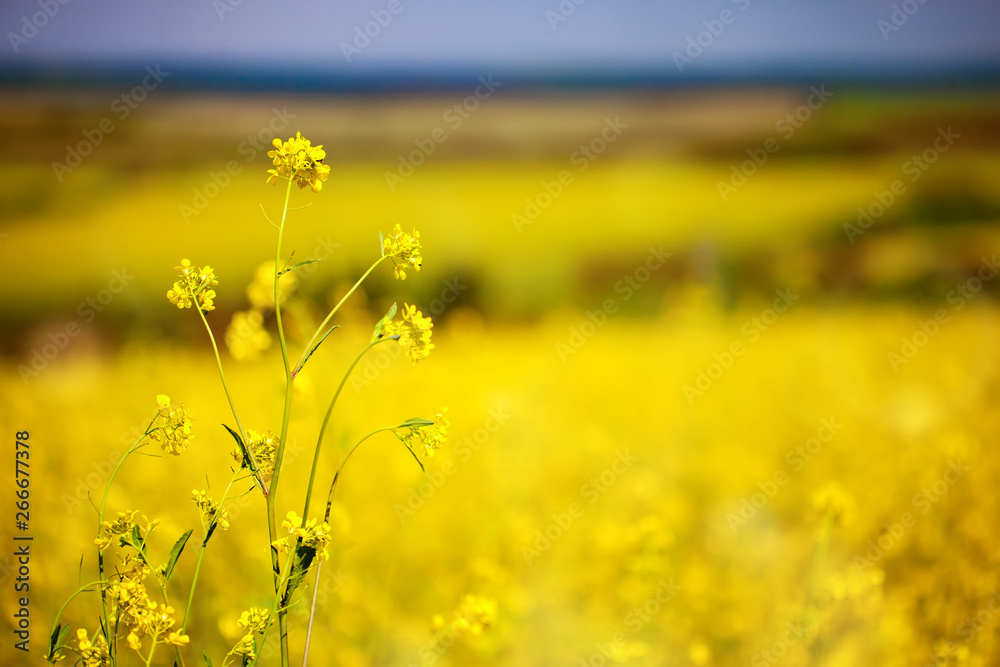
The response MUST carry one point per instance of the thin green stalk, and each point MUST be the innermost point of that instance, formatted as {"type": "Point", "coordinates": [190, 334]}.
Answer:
{"type": "Point", "coordinates": [326, 517]}
{"type": "Point", "coordinates": [326, 421]}
{"type": "Point", "coordinates": [285, 417]}
{"type": "Point", "coordinates": [232, 406]}
{"type": "Point", "coordinates": [100, 527]}
{"type": "Point", "coordinates": [201, 552]}
{"type": "Point", "coordinates": [322, 327]}
{"type": "Point", "coordinates": [81, 589]}
{"type": "Point", "coordinates": [152, 650]}
{"type": "Point", "coordinates": [277, 602]}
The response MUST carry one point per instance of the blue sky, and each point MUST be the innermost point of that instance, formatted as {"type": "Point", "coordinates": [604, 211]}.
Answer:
{"type": "Point", "coordinates": [510, 34]}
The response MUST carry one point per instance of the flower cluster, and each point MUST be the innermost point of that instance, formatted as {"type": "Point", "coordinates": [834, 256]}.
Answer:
{"type": "Point", "coordinates": [93, 653]}
{"type": "Point", "coordinates": [413, 331]}
{"type": "Point", "coordinates": [253, 621]}
{"type": "Point", "coordinates": [123, 527]}
{"type": "Point", "coordinates": [171, 427]}
{"type": "Point", "coordinates": [135, 610]}
{"type": "Point", "coordinates": [299, 160]}
{"type": "Point", "coordinates": [210, 512]}
{"type": "Point", "coordinates": [475, 614]}
{"type": "Point", "coordinates": [429, 436]}
{"type": "Point", "coordinates": [404, 251]}
{"type": "Point", "coordinates": [193, 286]}
{"type": "Point", "coordinates": [263, 447]}
{"type": "Point", "coordinates": [313, 535]}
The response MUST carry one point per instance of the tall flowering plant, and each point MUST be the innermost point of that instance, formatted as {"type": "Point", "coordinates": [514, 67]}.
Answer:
{"type": "Point", "coordinates": [134, 613]}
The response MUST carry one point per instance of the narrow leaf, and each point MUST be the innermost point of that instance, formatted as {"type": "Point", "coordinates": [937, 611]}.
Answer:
{"type": "Point", "coordinates": [62, 635]}
{"type": "Point", "coordinates": [415, 422]}
{"type": "Point", "coordinates": [315, 347]}
{"type": "Point", "coordinates": [300, 566]}
{"type": "Point", "coordinates": [295, 266]}
{"type": "Point", "coordinates": [175, 553]}
{"type": "Point", "coordinates": [208, 661]}
{"type": "Point", "coordinates": [382, 322]}
{"type": "Point", "coordinates": [247, 461]}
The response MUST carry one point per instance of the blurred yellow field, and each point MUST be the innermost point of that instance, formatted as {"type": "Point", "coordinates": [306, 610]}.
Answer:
{"type": "Point", "coordinates": [684, 430]}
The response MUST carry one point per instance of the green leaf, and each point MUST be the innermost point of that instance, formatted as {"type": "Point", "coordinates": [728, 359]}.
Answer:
{"type": "Point", "coordinates": [247, 461]}
{"type": "Point", "coordinates": [315, 347]}
{"type": "Point", "coordinates": [139, 543]}
{"type": "Point", "coordinates": [208, 661]}
{"type": "Point", "coordinates": [56, 639]}
{"type": "Point", "coordinates": [62, 635]}
{"type": "Point", "coordinates": [175, 553]}
{"type": "Point", "coordinates": [304, 557]}
{"type": "Point", "coordinates": [295, 266]}
{"type": "Point", "coordinates": [415, 423]}
{"type": "Point", "coordinates": [382, 322]}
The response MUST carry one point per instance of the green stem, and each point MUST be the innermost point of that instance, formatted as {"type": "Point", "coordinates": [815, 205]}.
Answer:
{"type": "Point", "coordinates": [322, 327]}
{"type": "Point", "coordinates": [100, 527]}
{"type": "Point", "coordinates": [204, 545]}
{"type": "Point", "coordinates": [152, 650]}
{"type": "Point", "coordinates": [277, 602]}
{"type": "Point", "coordinates": [285, 417]}
{"type": "Point", "coordinates": [55, 621]}
{"type": "Point", "coordinates": [326, 517]}
{"type": "Point", "coordinates": [326, 421]}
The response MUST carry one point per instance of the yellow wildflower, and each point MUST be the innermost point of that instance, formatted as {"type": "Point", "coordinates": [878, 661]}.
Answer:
{"type": "Point", "coordinates": [430, 436]}
{"type": "Point", "coordinates": [404, 251]}
{"type": "Point", "coordinates": [120, 526]}
{"type": "Point", "coordinates": [264, 449]}
{"type": "Point", "coordinates": [299, 160]}
{"type": "Point", "coordinates": [246, 336]}
{"type": "Point", "coordinates": [171, 426]}
{"type": "Point", "coordinates": [194, 285]}
{"type": "Point", "coordinates": [413, 331]}
{"type": "Point", "coordinates": [312, 534]}
{"type": "Point", "coordinates": [93, 653]}
{"type": "Point", "coordinates": [475, 614]}
{"type": "Point", "coordinates": [254, 620]}
{"type": "Point", "coordinates": [210, 511]}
